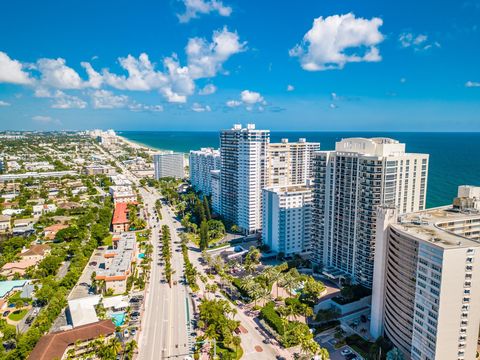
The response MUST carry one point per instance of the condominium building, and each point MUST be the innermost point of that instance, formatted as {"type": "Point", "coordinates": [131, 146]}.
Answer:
{"type": "Point", "coordinates": [243, 175]}
{"type": "Point", "coordinates": [291, 163]}
{"type": "Point", "coordinates": [287, 219]}
{"type": "Point", "coordinates": [119, 262]}
{"type": "Point", "coordinates": [349, 184]}
{"type": "Point", "coordinates": [170, 164]}
{"type": "Point", "coordinates": [202, 162]}
{"type": "Point", "coordinates": [215, 183]}
{"type": "Point", "coordinates": [122, 194]}
{"type": "Point", "coordinates": [426, 292]}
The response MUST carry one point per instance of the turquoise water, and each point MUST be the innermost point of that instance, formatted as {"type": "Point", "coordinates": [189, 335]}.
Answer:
{"type": "Point", "coordinates": [454, 157]}
{"type": "Point", "coordinates": [141, 255]}
{"type": "Point", "coordinates": [118, 318]}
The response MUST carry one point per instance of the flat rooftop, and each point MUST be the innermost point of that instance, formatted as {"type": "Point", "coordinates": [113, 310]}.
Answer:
{"type": "Point", "coordinates": [443, 226]}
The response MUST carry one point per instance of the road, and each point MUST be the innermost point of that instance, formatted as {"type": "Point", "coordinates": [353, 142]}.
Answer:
{"type": "Point", "coordinates": [165, 329]}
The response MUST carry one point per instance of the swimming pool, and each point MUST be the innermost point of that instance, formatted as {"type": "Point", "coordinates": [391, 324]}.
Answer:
{"type": "Point", "coordinates": [118, 318]}
{"type": "Point", "coordinates": [141, 255]}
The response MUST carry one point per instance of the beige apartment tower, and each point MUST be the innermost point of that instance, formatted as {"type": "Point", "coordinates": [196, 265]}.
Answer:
{"type": "Point", "coordinates": [426, 285]}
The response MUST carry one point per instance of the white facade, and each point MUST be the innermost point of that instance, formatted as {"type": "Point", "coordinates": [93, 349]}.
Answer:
{"type": "Point", "coordinates": [243, 175]}
{"type": "Point", "coordinates": [169, 165]}
{"type": "Point", "coordinates": [122, 194]}
{"type": "Point", "coordinates": [202, 162]}
{"type": "Point", "coordinates": [349, 184]}
{"type": "Point", "coordinates": [216, 199]}
{"type": "Point", "coordinates": [287, 219]}
{"type": "Point", "coordinates": [291, 163]}
{"type": "Point", "coordinates": [426, 293]}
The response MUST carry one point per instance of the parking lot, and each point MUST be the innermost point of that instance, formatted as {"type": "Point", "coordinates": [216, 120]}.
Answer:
{"type": "Point", "coordinates": [84, 282]}
{"type": "Point", "coordinates": [328, 341]}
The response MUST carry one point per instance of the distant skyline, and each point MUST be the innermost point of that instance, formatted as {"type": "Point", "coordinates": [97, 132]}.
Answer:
{"type": "Point", "coordinates": [202, 65]}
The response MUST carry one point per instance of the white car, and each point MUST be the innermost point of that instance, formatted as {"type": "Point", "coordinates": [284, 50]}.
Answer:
{"type": "Point", "coordinates": [346, 351]}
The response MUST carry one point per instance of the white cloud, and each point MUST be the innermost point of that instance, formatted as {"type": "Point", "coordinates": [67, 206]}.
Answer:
{"type": "Point", "coordinates": [57, 74]}
{"type": "Point", "coordinates": [206, 59]}
{"type": "Point", "coordinates": [104, 99]}
{"type": "Point", "coordinates": [233, 103]}
{"type": "Point", "coordinates": [333, 106]}
{"type": "Point", "coordinates": [46, 120]}
{"type": "Point", "coordinates": [208, 90]}
{"type": "Point", "coordinates": [471, 84]}
{"type": "Point", "coordinates": [337, 40]}
{"type": "Point", "coordinates": [251, 97]}
{"type": "Point", "coordinates": [11, 71]}
{"type": "Point", "coordinates": [95, 80]}
{"type": "Point", "coordinates": [417, 42]}
{"type": "Point", "coordinates": [69, 102]}
{"type": "Point", "coordinates": [142, 107]}
{"type": "Point", "coordinates": [142, 75]}
{"type": "Point", "coordinates": [200, 108]}
{"type": "Point", "coordinates": [4, 103]}
{"type": "Point", "coordinates": [290, 87]}
{"type": "Point", "coordinates": [194, 8]}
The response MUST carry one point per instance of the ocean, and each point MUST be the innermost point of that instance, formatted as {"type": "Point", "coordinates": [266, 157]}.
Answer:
{"type": "Point", "coordinates": [454, 157]}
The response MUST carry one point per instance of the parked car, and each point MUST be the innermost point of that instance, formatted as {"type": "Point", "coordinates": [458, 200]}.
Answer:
{"type": "Point", "coordinates": [5, 313]}
{"type": "Point", "coordinates": [133, 332]}
{"type": "Point", "coordinates": [135, 313]}
{"type": "Point", "coordinates": [29, 320]}
{"type": "Point", "coordinates": [126, 333]}
{"type": "Point", "coordinates": [346, 351]}
{"type": "Point", "coordinates": [93, 263]}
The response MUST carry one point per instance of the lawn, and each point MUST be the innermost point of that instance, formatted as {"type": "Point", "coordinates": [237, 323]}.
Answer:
{"type": "Point", "coordinates": [17, 315]}
{"type": "Point", "coordinates": [140, 235]}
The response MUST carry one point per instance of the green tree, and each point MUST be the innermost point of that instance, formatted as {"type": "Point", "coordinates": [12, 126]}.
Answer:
{"type": "Point", "coordinates": [206, 207]}
{"type": "Point", "coordinates": [203, 235]}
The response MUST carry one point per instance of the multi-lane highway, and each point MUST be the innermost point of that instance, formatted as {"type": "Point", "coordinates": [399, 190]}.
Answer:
{"type": "Point", "coordinates": [165, 327]}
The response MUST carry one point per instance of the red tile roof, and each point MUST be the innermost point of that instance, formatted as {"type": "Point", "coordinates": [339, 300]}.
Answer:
{"type": "Point", "coordinates": [120, 214]}
{"type": "Point", "coordinates": [54, 345]}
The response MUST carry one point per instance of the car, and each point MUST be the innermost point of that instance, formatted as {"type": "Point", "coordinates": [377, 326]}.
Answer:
{"type": "Point", "coordinates": [351, 357]}
{"type": "Point", "coordinates": [93, 263]}
{"type": "Point", "coordinates": [84, 284]}
{"type": "Point", "coordinates": [134, 300]}
{"type": "Point", "coordinates": [135, 313]}
{"type": "Point", "coordinates": [5, 313]}
{"type": "Point", "coordinates": [133, 332]}
{"type": "Point", "coordinates": [126, 333]}
{"type": "Point", "coordinates": [29, 320]}
{"type": "Point", "coordinates": [346, 352]}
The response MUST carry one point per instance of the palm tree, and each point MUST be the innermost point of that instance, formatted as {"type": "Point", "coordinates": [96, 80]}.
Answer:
{"type": "Point", "coordinates": [323, 354]}
{"type": "Point", "coordinates": [115, 345]}
{"type": "Point", "coordinates": [130, 348]}
{"type": "Point", "coordinates": [291, 280]}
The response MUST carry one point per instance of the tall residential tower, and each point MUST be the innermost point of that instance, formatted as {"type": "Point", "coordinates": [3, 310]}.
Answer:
{"type": "Point", "coordinates": [243, 175]}
{"type": "Point", "coordinates": [201, 163]}
{"type": "Point", "coordinates": [349, 184]}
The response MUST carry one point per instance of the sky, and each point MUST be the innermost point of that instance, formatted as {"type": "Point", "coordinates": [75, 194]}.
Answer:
{"type": "Point", "coordinates": [319, 65]}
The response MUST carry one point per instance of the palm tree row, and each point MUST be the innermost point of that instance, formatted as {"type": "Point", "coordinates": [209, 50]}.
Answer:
{"type": "Point", "coordinates": [167, 253]}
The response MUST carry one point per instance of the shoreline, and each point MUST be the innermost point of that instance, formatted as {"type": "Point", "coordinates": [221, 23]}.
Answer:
{"type": "Point", "coordinates": [148, 148]}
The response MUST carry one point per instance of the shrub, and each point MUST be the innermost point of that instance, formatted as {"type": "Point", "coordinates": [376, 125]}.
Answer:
{"type": "Point", "coordinates": [271, 317]}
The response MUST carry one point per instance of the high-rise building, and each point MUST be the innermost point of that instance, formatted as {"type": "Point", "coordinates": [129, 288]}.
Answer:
{"type": "Point", "coordinates": [290, 163]}
{"type": "Point", "coordinates": [169, 164]}
{"type": "Point", "coordinates": [349, 184]}
{"type": "Point", "coordinates": [202, 162]}
{"type": "Point", "coordinates": [243, 175]}
{"type": "Point", "coordinates": [426, 285]}
{"type": "Point", "coordinates": [216, 200]}
{"type": "Point", "coordinates": [287, 219]}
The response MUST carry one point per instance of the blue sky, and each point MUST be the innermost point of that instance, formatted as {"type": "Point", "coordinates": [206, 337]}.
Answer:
{"type": "Point", "coordinates": [205, 64]}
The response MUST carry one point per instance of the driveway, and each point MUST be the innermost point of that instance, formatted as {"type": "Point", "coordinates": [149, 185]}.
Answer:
{"type": "Point", "coordinates": [80, 291]}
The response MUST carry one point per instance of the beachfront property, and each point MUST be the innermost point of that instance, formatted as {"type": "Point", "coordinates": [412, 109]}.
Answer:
{"type": "Point", "coordinates": [119, 260]}
{"type": "Point", "coordinates": [72, 343]}
{"type": "Point", "coordinates": [426, 293]}
{"type": "Point", "coordinates": [169, 164]}
{"type": "Point", "coordinates": [216, 189]}
{"type": "Point", "coordinates": [201, 163]}
{"type": "Point", "coordinates": [287, 219]}
{"type": "Point", "coordinates": [244, 162]}
{"type": "Point", "coordinates": [349, 184]}
{"type": "Point", "coordinates": [291, 163]}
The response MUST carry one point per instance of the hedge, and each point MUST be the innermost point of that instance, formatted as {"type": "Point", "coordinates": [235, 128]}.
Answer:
{"type": "Point", "coordinates": [271, 317]}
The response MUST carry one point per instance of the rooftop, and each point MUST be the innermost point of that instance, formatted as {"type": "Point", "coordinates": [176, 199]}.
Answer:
{"type": "Point", "coordinates": [120, 214]}
{"type": "Point", "coordinates": [445, 226]}
{"type": "Point", "coordinates": [7, 286]}
{"type": "Point", "coordinates": [54, 345]}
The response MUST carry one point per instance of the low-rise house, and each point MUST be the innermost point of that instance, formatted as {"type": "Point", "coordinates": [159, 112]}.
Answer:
{"type": "Point", "coordinates": [11, 212]}
{"type": "Point", "coordinates": [5, 226]}
{"type": "Point", "coordinates": [17, 267]}
{"type": "Point", "coordinates": [75, 342]}
{"type": "Point", "coordinates": [39, 210]}
{"type": "Point", "coordinates": [8, 287]}
{"type": "Point", "coordinates": [51, 231]}
{"type": "Point", "coordinates": [23, 226]}
{"type": "Point", "coordinates": [35, 252]}
{"type": "Point", "coordinates": [119, 262]}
